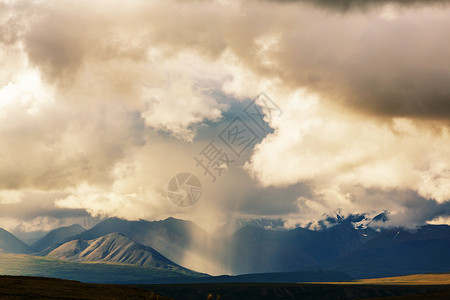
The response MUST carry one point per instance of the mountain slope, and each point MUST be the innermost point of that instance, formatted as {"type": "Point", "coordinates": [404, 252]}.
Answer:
{"type": "Point", "coordinates": [237, 223]}
{"type": "Point", "coordinates": [398, 252]}
{"type": "Point", "coordinates": [99, 272]}
{"type": "Point", "coordinates": [57, 236]}
{"type": "Point", "coordinates": [172, 237]}
{"type": "Point", "coordinates": [282, 277]}
{"type": "Point", "coordinates": [113, 247]}
{"type": "Point", "coordinates": [343, 244]}
{"type": "Point", "coordinates": [256, 250]}
{"type": "Point", "coordinates": [10, 244]}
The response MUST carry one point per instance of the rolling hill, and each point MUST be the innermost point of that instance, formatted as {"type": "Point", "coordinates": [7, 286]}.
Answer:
{"type": "Point", "coordinates": [171, 237]}
{"type": "Point", "coordinates": [96, 272]}
{"type": "Point", "coordinates": [113, 247]}
{"type": "Point", "coordinates": [344, 245]}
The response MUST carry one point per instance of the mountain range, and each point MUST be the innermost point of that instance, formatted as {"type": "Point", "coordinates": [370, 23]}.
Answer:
{"type": "Point", "coordinates": [57, 236]}
{"type": "Point", "coordinates": [113, 247]}
{"type": "Point", "coordinates": [397, 251]}
{"type": "Point", "coordinates": [10, 244]}
{"type": "Point", "coordinates": [341, 245]}
{"type": "Point", "coordinates": [172, 237]}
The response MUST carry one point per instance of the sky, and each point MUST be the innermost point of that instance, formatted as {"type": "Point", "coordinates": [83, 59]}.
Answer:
{"type": "Point", "coordinates": [103, 102]}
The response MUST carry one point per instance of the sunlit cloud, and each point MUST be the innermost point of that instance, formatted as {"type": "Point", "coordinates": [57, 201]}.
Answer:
{"type": "Point", "coordinates": [105, 105]}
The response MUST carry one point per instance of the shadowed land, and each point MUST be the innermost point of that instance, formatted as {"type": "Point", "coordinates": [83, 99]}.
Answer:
{"type": "Point", "coordinates": [22, 287]}
{"type": "Point", "coordinates": [422, 286]}
{"type": "Point", "coordinates": [417, 279]}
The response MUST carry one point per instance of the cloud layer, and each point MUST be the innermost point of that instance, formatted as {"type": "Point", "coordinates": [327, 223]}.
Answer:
{"type": "Point", "coordinates": [102, 101]}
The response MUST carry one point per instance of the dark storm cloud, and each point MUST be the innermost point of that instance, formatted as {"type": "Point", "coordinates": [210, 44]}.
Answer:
{"type": "Point", "coordinates": [377, 66]}
{"type": "Point", "coordinates": [33, 206]}
{"type": "Point", "coordinates": [418, 210]}
{"type": "Point", "coordinates": [346, 5]}
{"type": "Point", "coordinates": [374, 65]}
{"type": "Point", "coordinates": [270, 200]}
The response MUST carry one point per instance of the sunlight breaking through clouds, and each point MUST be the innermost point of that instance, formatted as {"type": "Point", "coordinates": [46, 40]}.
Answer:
{"type": "Point", "coordinates": [106, 105]}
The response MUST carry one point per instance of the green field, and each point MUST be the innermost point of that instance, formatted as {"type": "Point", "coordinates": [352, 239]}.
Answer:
{"type": "Point", "coordinates": [425, 286]}
{"type": "Point", "coordinates": [27, 265]}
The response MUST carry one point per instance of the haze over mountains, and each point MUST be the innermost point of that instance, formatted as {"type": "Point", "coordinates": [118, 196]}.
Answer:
{"type": "Point", "coordinates": [175, 239]}
{"type": "Point", "coordinates": [345, 245]}
{"type": "Point", "coordinates": [9, 243]}
{"type": "Point", "coordinates": [57, 236]}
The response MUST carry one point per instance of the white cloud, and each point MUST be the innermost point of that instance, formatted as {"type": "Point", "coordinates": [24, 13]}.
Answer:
{"type": "Point", "coordinates": [9, 197]}
{"type": "Point", "coordinates": [83, 91]}
{"type": "Point", "coordinates": [337, 153]}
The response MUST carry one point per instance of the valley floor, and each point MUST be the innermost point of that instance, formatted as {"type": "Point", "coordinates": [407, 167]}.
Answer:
{"type": "Point", "coordinates": [421, 286]}
{"type": "Point", "coordinates": [304, 291]}
{"type": "Point", "coordinates": [25, 287]}
{"type": "Point", "coordinates": [416, 279]}
{"type": "Point", "coordinates": [406, 287]}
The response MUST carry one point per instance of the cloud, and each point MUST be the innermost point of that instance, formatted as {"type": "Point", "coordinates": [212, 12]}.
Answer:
{"type": "Point", "coordinates": [417, 211]}
{"type": "Point", "coordinates": [367, 63]}
{"type": "Point", "coordinates": [355, 163]}
{"type": "Point", "coordinates": [349, 5]}
{"type": "Point", "coordinates": [313, 144]}
{"type": "Point", "coordinates": [36, 211]}
{"type": "Point", "coordinates": [83, 93]}
{"type": "Point", "coordinates": [103, 105]}
{"type": "Point", "coordinates": [9, 197]}
{"type": "Point", "coordinates": [51, 145]}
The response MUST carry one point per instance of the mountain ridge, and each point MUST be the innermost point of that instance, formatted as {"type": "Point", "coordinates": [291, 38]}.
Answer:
{"type": "Point", "coordinates": [57, 236]}
{"type": "Point", "coordinates": [113, 247]}
{"type": "Point", "coordinates": [174, 238]}
{"type": "Point", "coordinates": [11, 244]}
{"type": "Point", "coordinates": [343, 245]}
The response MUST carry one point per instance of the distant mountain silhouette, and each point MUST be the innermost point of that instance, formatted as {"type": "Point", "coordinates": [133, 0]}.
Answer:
{"type": "Point", "coordinates": [171, 237]}
{"type": "Point", "coordinates": [113, 247]}
{"type": "Point", "coordinates": [10, 244]}
{"type": "Point", "coordinates": [235, 224]}
{"type": "Point", "coordinates": [57, 236]}
{"type": "Point", "coordinates": [99, 272]}
{"type": "Point", "coordinates": [256, 250]}
{"type": "Point", "coordinates": [398, 252]}
{"type": "Point", "coordinates": [348, 245]}
{"type": "Point", "coordinates": [282, 277]}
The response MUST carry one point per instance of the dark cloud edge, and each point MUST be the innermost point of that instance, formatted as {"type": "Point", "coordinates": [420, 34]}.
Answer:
{"type": "Point", "coordinates": [348, 5]}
